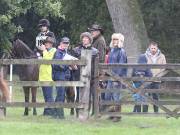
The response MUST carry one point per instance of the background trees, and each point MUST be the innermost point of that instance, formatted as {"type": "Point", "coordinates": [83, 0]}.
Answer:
{"type": "Point", "coordinates": [71, 17]}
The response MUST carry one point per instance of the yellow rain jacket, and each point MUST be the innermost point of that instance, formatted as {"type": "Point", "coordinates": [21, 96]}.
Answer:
{"type": "Point", "coordinates": [45, 71]}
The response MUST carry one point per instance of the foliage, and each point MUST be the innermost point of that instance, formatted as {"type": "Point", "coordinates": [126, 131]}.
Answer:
{"type": "Point", "coordinates": [82, 14]}
{"type": "Point", "coordinates": [19, 15]}
{"type": "Point", "coordinates": [72, 17]}
{"type": "Point", "coordinates": [162, 23]}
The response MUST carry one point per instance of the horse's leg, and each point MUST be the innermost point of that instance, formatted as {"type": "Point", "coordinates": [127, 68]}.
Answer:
{"type": "Point", "coordinates": [4, 89]}
{"type": "Point", "coordinates": [26, 95]}
{"type": "Point", "coordinates": [70, 97]}
{"type": "Point", "coordinates": [33, 92]}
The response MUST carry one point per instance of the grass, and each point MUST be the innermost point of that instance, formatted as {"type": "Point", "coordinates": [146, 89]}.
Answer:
{"type": "Point", "coordinates": [16, 123]}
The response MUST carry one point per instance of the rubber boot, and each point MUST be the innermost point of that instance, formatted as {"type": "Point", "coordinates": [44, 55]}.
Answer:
{"type": "Point", "coordinates": [137, 108]}
{"type": "Point", "coordinates": [60, 113]}
{"type": "Point", "coordinates": [145, 108]}
{"type": "Point", "coordinates": [117, 118]}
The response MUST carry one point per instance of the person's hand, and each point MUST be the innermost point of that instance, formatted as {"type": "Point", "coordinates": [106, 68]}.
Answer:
{"type": "Point", "coordinates": [73, 67]}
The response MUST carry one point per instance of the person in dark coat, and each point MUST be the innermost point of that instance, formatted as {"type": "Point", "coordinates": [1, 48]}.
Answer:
{"type": "Point", "coordinates": [86, 44]}
{"type": "Point", "coordinates": [98, 41]}
{"type": "Point", "coordinates": [136, 84]}
{"type": "Point", "coordinates": [117, 55]}
{"type": "Point", "coordinates": [60, 73]}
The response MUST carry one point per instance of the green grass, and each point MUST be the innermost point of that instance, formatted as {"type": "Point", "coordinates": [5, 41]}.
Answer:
{"type": "Point", "coordinates": [15, 123]}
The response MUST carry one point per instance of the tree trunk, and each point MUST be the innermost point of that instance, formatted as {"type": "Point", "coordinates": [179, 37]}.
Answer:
{"type": "Point", "coordinates": [127, 19]}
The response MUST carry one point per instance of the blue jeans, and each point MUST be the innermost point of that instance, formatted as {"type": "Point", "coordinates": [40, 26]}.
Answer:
{"type": "Point", "coordinates": [48, 97]}
{"type": "Point", "coordinates": [114, 96]}
{"type": "Point", "coordinates": [60, 97]}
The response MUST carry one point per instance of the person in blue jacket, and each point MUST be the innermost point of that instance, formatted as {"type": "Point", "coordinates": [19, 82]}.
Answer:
{"type": "Point", "coordinates": [61, 73]}
{"type": "Point", "coordinates": [117, 55]}
{"type": "Point", "coordinates": [136, 84]}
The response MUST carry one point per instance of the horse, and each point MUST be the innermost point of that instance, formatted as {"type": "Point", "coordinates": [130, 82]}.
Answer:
{"type": "Point", "coordinates": [27, 72]}
{"type": "Point", "coordinates": [3, 84]}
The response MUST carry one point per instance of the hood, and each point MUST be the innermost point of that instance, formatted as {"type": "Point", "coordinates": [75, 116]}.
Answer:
{"type": "Point", "coordinates": [148, 53]}
{"type": "Point", "coordinates": [117, 36]}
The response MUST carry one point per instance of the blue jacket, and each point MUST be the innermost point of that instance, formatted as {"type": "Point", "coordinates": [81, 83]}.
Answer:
{"type": "Point", "coordinates": [118, 55]}
{"type": "Point", "coordinates": [140, 72]}
{"type": "Point", "coordinates": [60, 72]}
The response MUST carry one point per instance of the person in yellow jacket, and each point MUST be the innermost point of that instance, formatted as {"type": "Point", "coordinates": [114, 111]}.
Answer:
{"type": "Point", "coordinates": [45, 73]}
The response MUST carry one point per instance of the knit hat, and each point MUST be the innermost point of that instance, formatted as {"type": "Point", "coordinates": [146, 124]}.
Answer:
{"type": "Point", "coordinates": [86, 34]}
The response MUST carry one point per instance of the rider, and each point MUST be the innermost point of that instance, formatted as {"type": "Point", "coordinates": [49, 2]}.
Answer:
{"type": "Point", "coordinates": [43, 26]}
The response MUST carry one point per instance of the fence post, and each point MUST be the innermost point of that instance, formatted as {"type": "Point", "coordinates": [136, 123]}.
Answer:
{"type": "Point", "coordinates": [85, 77]}
{"type": "Point", "coordinates": [96, 85]}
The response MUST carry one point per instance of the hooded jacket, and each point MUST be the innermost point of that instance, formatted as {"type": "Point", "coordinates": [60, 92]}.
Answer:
{"type": "Point", "coordinates": [158, 58]}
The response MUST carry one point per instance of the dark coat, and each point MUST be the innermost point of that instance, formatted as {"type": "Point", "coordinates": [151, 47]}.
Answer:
{"type": "Point", "coordinates": [100, 44]}
{"type": "Point", "coordinates": [76, 52]}
{"type": "Point", "coordinates": [141, 72]}
{"type": "Point", "coordinates": [118, 55]}
{"type": "Point", "coordinates": [60, 72]}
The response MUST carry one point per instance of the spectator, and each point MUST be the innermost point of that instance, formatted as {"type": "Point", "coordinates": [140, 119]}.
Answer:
{"type": "Point", "coordinates": [86, 44]}
{"type": "Point", "coordinates": [61, 73]}
{"type": "Point", "coordinates": [154, 56]}
{"type": "Point", "coordinates": [45, 72]}
{"type": "Point", "coordinates": [98, 41]}
{"type": "Point", "coordinates": [117, 55]}
{"type": "Point", "coordinates": [136, 84]}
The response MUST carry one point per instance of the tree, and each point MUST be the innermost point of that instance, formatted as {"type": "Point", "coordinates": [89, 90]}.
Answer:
{"type": "Point", "coordinates": [80, 14]}
{"type": "Point", "coordinates": [162, 22]}
{"type": "Point", "coordinates": [19, 15]}
{"type": "Point", "coordinates": [127, 19]}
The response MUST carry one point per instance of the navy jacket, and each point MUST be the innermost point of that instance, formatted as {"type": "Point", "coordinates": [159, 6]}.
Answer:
{"type": "Point", "coordinates": [118, 55]}
{"type": "Point", "coordinates": [141, 72]}
{"type": "Point", "coordinates": [60, 72]}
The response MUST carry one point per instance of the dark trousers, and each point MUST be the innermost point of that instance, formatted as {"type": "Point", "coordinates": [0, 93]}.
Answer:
{"type": "Point", "coordinates": [137, 108]}
{"type": "Point", "coordinates": [155, 96]}
{"type": "Point", "coordinates": [48, 97]}
{"type": "Point", "coordinates": [60, 97]}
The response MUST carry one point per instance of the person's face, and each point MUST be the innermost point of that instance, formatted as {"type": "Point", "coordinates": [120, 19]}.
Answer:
{"type": "Point", "coordinates": [48, 45]}
{"type": "Point", "coordinates": [85, 40]}
{"type": "Point", "coordinates": [153, 49]}
{"type": "Point", "coordinates": [63, 46]}
{"type": "Point", "coordinates": [43, 28]}
{"type": "Point", "coordinates": [95, 33]}
{"type": "Point", "coordinates": [115, 42]}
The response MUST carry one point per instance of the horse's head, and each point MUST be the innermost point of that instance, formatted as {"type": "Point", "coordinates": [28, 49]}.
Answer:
{"type": "Point", "coordinates": [20, 50]}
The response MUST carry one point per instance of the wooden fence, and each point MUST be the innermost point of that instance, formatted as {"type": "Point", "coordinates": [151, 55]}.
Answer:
{"type": "Point", "coordinates": [84, 84]}
{"type": "Point", "coordinates": [127, 81]}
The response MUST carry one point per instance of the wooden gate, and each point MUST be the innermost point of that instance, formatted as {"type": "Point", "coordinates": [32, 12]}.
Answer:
{"type": "Point", "coordinates": [169, 108]}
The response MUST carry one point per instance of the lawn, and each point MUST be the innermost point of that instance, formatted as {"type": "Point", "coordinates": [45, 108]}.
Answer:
{"type": "Point", "coordinates": [16, 123]}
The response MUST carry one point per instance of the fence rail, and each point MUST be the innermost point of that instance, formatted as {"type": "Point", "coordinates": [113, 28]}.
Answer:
{"type": "Point", "coordinates": [48, 83]}
{"type": "Point", "coordinates": [41, 61]}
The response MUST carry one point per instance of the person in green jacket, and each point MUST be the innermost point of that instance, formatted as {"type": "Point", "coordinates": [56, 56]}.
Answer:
{"type": "Point", "coordinates": [45, 73]}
